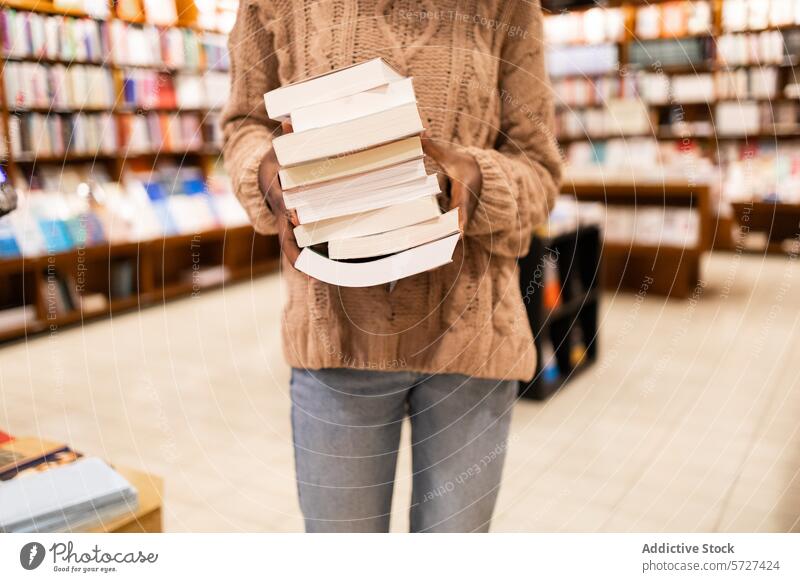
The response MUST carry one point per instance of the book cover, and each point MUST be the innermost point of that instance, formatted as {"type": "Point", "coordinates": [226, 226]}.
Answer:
{"type": "Point", "coordinates": [380, 271]}
{"type": "Point", "coordinates": [21, 453]}
{"type": "Point", "coordinates": [56, 235]}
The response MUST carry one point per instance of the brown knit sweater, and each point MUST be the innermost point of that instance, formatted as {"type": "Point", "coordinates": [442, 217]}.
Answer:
{"type": "Point", "coordinates": [480, 81]}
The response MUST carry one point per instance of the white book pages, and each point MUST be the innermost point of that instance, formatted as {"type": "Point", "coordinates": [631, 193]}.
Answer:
{"type": "Point", "coordinates": [381, 271]}
{"type": "Point", "coordinates": [59, 489]}
{"type": "Point", "coordinates": [352, 187]}
{"type": "Point", "coordinates": [353, 106]}
{"type": "Point", "coordinates": [332, 85]}
{"type": "Point", "coordinates": [371, 200]}
{"type": "Point", "coordinates": [366, 223]}
{"type": "Point", "coordinates": [349, 136]}
{"type": "Point", "coordinates": [394, 241]}
{"type": "Point", "coordinates": [359, 163]}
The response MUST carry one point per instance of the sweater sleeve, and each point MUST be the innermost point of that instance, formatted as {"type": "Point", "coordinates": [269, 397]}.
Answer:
{"type": "Point", "coordinates": [522, 173]}
{"type": "Point", "coordinates": [246, 128]}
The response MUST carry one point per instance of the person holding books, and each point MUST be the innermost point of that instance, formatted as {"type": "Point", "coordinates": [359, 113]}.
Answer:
{"type": "Point", "coordinates": [445, 347]}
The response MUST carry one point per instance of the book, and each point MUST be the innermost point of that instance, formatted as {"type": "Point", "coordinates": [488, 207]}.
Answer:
{"type": "Point", "coordinates": [349, 136]}
{"type": "Point", "coordinates": [45, 463]}
{"type": "Point", "coordinates": [160, 12]}
{"type": "Point", "coordinates": [583, 60]}
{"type": "Point", "coordinates": [426, 186]}
{"type": "Point", "coordinates": [350, 107]}
{"type": "Point", "coordinates": [9, 247]}
{"type": "Point", "coordinates": [18, 454]}
{"type": "Point", "coordinates": [354, 186]}
{"type": "Point", "coordinates": [349, 165]}
{"type": "Point", "coordinates": [367, 223]}
{"type": "Point", "coordinates": [381, 271]}
{"type": "Point", "coordinates": [93, 303]}
{"type": "Point", "coordinates": [395, 241]}
{"type": "Point", "coordinates": [64, 498]}
{"type": "Point", "coordinates": [350, 80]}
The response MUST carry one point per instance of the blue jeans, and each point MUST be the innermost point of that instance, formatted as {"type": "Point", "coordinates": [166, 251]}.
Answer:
{"type": "Point", "coordinates": [346, 427]}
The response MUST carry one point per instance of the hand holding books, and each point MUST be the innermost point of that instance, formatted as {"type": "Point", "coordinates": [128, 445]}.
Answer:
{"type": "Point", "coordinates": [270, 186]}
{"type": "Point", "coordinates": [464, 174]}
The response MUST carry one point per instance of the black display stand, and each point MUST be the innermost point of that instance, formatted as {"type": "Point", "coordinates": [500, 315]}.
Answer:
{"type": "Point", "coordinates": [576, 255]}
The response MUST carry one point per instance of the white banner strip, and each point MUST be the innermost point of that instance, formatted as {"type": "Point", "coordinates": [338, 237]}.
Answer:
{"type": "Point", "coordinates": [352, 558]}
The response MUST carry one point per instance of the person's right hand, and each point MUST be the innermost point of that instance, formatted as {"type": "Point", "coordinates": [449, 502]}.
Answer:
{"type": "Point", "coordinates": [270, 187]}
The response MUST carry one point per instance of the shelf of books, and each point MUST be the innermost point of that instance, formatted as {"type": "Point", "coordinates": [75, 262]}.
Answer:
{"type": "Point", "coordinates": [655, 233]}
{"type": "Point", "coordinates": [110, 132]}
{"type": "Point", "coordinates": [700, 92]}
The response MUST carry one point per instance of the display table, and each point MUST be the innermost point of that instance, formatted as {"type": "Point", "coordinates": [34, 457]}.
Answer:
{"type": "Point", "coordinates": [667, 270]}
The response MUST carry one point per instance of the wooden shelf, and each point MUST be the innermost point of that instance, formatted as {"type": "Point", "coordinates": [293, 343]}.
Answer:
{"type": "Point", "coordinates": [244, 253]}
{"type": "Point", "coordinates": [630, 191]}
{"type": "Point", "coordinates": [44, 6]}
{"type": "Point", "coordinates": [53, 61]}
{"type": "Point", "coordinates": [20, 331]}
{"type": "Point", "coordinates": [668, 135]}
{"type": "Point", "coordinates": [163, 67]}
{"type": "Point", "coordinates": [121, 110]}
{"type": "Point", "coordinates": [779, 221]}
{"type": "Point", "coordinates": [132, 155]}
{"type": "Point", "coordinates": [642, 250]}
{"type": "Point", "coordinates": [136, 110]}
{"type": "Point", "coordinates": [58, 110]}
{"type": "Point", "coordinates": [674, 270]}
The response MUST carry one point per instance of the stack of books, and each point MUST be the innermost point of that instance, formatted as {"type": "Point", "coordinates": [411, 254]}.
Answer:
{"type": "Point", "coordinates": [353, 170]}
{"type": "Point", "coordinates": [48, 487]}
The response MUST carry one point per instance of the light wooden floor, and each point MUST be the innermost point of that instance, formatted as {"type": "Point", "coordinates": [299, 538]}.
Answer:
{"type": "Point", "coordinates": [688, 423]}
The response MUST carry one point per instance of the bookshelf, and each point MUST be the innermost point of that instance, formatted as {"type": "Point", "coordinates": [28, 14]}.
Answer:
{"type": "Point", "coordinates": [161, 269]}
{"type": "Point", "coordinates": [561, 279]}
{"type": "Point", "coordinates": [779, 223]}
{"type": "Point", "coordinates": [712, 85]}
{"type": "Point", "coordinates": [131, 96]}
{"type": "Point", "coordinates": [668, 268]}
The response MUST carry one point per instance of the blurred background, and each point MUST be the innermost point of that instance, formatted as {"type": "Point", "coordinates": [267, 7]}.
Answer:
{"type": "Point", "coordinates": [140, 313]}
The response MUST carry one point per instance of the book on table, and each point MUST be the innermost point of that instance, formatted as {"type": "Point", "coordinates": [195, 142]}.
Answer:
{"type": "Point", "coordinates": [353, 170]}
{"type": "Point", "coordinates": [64, 498]}
{"type": "Point", "coordinates": [46, 486]}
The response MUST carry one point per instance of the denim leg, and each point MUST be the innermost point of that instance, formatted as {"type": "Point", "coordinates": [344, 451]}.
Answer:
{"type": "Point", "coordinates": [459, 435]}
{"type": "Point", "coordinates": [346, 429]}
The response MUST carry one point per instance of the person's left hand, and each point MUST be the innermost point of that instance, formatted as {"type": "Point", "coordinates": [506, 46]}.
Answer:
{"type": "Point", "coordinates": [463, 172]}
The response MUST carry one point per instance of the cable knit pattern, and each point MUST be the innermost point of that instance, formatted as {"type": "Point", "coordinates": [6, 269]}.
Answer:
{"type": "Point", "coordinates": [479, 74]}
